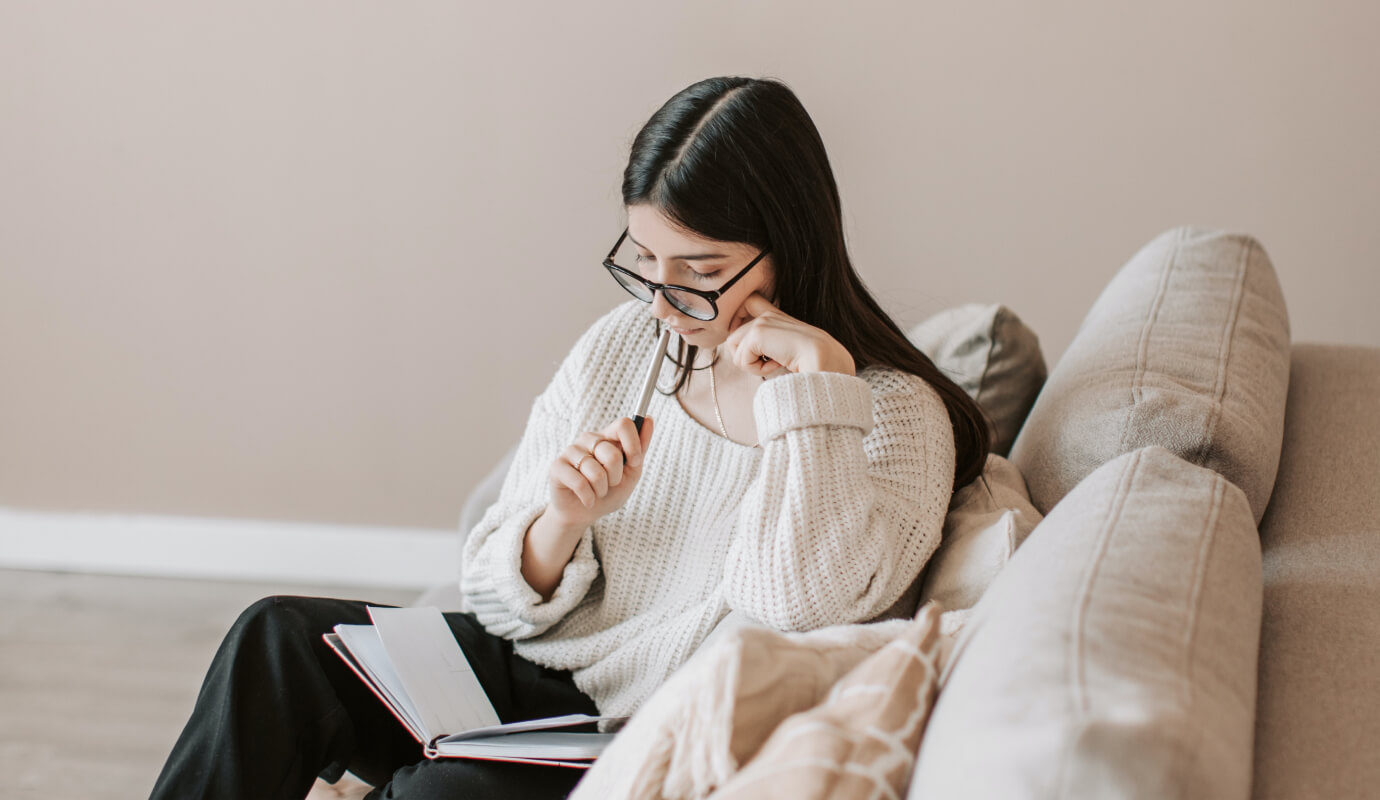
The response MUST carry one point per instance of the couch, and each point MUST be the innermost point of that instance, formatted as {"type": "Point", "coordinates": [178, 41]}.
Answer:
{"type": "Point", "coordinates": [1198, 612]}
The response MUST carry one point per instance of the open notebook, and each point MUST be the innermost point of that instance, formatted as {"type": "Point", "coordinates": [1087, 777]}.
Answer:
{"type": "Point", "coordinates": [411, 661]}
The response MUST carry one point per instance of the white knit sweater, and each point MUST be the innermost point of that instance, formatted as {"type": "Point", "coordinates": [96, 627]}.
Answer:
{"type": "Point", "coordinates": [829, 522]}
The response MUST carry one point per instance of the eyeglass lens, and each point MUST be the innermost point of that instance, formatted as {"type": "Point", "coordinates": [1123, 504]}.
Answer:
{"type": "Point", "coordinates": [692, 305]}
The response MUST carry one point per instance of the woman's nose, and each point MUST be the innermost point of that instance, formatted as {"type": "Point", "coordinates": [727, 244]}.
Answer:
{"type": "Point", "coordinates": [661, 309]}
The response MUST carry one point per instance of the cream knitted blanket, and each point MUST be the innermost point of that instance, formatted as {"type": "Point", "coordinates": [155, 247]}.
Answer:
{"type": "Point", "coordinates": [714, 716]}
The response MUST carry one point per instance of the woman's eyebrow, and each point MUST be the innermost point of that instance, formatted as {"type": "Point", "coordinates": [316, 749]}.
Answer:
{"type": "Point", "coordinates": [698, 257]}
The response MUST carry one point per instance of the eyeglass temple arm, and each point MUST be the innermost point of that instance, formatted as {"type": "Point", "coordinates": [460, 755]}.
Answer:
{"type": "Point", "coordinates": [717, 293]}
{"type": "Point", "coordinates": [616, 245]}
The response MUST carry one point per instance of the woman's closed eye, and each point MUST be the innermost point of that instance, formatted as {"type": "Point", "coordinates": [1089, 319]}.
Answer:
{"type": "Point", "coordinates": [694, 275]}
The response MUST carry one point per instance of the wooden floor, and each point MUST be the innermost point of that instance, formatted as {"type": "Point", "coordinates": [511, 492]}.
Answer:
{"type": "Point", "coordinates": [98, 674]}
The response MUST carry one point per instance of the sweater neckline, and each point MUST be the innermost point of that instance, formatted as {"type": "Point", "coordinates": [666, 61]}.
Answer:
{"type": "Point", "coordinates": [712, 434]}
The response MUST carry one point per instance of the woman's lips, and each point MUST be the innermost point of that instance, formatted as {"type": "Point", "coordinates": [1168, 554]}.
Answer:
{"type": "Point", "coordinates": [685, 331]}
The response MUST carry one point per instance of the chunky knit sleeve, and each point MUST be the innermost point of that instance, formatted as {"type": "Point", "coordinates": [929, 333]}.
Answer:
{"type": "Point", "coordinates": [491, 579]}
{"type": "Point", "coordinates": [855, 481]}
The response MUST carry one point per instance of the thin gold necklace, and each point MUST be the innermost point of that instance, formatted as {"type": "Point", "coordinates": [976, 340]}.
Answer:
{"type": "Point", "coordinates": [714, 393]}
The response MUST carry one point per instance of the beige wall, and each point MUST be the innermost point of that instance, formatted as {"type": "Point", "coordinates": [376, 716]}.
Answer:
{"type": "Point", "coordinates": [311, 261]}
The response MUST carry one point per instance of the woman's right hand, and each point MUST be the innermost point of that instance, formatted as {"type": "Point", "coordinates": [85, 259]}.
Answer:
{"type": "Point", "coordinates": [598, 472]}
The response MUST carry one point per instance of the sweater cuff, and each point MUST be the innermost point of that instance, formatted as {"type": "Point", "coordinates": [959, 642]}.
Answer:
{"type": "Point", "coordinates": [502, 599]}
{"type": "Point", "coordinates": [804, 399]}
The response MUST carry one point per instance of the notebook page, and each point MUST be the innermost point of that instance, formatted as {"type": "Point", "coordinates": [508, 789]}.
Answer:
{"type": "Point", "coordinates": [535, 744]}
{"type": "Point", "coordinates": [363, 646]}
{"type": "Point", "coordinates": [433, 670]}
{"type": "Point", "coordinates": [545, 723]}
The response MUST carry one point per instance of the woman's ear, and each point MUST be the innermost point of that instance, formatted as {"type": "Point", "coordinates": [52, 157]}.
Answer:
{"type": "Point", "coordinates": [768, 289]}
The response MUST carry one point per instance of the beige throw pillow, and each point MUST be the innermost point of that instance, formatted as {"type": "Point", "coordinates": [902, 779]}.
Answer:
{"type": "Point", "coordinates": [860, 743]}
{"type": "Point", "coordinates": [987, 520]}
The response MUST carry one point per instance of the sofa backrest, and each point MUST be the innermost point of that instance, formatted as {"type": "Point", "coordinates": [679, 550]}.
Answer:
{"type": "Point", "coordinates": [1316, 732]}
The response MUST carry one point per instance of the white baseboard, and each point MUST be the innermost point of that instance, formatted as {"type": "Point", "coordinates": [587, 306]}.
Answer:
{"type": "Point", "coordinates": [228, 549]}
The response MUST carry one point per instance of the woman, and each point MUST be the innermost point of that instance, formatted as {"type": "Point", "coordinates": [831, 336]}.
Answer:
{"type": "Point", "coordinates": [805, 456]}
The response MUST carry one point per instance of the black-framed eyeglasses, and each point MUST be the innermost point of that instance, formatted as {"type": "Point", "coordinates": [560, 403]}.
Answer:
{"type": "Point", "coordinates": [695, 303]}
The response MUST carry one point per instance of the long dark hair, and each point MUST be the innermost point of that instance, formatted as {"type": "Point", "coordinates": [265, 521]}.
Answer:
{"type": "Point", "coordinates": [739, 160]}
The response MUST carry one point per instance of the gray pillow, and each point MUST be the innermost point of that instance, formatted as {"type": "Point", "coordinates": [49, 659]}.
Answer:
{"type": "Point", "coordinates": [993, 356]}
{"type": "Point", "coordinates": [1115, 655]}
{"type": "Point", "coordinates": [1187, 348]}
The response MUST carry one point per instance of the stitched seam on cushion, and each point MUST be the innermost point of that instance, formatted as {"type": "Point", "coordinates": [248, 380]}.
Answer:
{"type": "Point", "coordinates": [1209, 537]}
{"type": "Point", "coordinates": [1219, 388]}
{"type": "Point", "coordinates": [1123, 490]}
{"type": "Point", "coordinates": [1196, 593]}
{"type": "Point", "coordinates": [1085, 591]}
{"type": "Point", "coordinates": [1143, 347]}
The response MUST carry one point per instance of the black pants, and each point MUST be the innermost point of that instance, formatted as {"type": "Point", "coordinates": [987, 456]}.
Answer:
{"type": "Point", "coordinates": [278, 708]}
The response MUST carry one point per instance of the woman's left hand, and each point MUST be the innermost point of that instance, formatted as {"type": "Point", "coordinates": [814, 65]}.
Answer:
{"type": "Point", "coordinates": [764, 340]}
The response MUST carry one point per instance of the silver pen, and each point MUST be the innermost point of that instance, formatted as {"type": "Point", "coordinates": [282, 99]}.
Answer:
{"type": "Point", "coordinates": [653, 372]}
